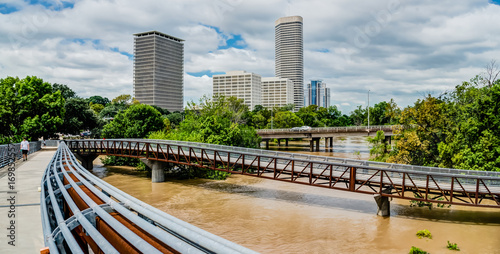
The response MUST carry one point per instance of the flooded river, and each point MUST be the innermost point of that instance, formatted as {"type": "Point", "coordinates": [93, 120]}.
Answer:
{"type": "Point", "coordinates": [278, 217]}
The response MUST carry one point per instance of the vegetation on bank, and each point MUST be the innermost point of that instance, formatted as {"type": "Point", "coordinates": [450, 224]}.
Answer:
{"type": "Point", "coordinates": [458, 129]}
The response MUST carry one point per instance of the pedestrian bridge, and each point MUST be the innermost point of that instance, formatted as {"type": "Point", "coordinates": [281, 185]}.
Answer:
{"type": "Point", "coordinates": [83, 214]}
{"type": "Point", "coordinates": [328, 133]}
{"type": "Point", "coordinates": [383, 180]}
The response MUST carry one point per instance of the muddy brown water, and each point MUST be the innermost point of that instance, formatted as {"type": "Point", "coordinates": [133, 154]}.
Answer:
{"type": "Point", "coordinates": [277, 217]}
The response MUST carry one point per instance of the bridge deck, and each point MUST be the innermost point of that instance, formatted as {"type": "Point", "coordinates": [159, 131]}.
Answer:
{"type": "Point", "coordinates": [28, 227]}
{"type": "Point", "coordinates": [426, 184]}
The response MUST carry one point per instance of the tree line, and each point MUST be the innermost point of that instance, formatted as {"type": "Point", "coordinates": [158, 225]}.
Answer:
{"type": "Point", "coordinates": [458, 129]}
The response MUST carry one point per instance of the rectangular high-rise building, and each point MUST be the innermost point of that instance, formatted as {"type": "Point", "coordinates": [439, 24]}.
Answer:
{"type": "Point", "coordinates": [159, 70]}
{"type": "Point", "coordinates": [289, 54]}
{"type": "Point", "coordinates": [276, 92]}
{"type": "Point", "coordinates": [317, 94]}
{"type": "Point", "coordinates": [240, 84]}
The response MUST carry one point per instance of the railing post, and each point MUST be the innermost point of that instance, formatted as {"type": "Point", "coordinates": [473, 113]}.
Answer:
{"type": "Point", "coordinates": [352, 179]}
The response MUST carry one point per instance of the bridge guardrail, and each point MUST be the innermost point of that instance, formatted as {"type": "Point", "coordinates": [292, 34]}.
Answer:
{"type": "Point", "coordinates": [456, 186]}
{"type": "Point", "coordinates": [79, 209]}
{"type": "Point", "coordinates": [333, 129]}
{"type": "Point", "coordinates": [6, 156]}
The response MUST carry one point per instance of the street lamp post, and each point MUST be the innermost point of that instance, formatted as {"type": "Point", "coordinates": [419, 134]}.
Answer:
{"type": "Point", "coordinates": [368, 110]}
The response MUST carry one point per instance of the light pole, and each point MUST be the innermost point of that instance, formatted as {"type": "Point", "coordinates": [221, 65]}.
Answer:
{"type": "Point", "coordinates": [368, 110]}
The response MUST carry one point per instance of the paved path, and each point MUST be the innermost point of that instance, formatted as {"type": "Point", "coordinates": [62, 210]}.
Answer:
{"type": "Point", "coordinates": [28, 224]}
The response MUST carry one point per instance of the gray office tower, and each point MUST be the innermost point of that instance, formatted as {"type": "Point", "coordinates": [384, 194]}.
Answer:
{"type": "Point", "coordinates": [289, 55]}
{"type": "Point", "coordinates": [159, 70]}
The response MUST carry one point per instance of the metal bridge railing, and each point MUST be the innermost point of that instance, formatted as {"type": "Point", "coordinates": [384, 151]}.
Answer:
{"type": "Point", "coordinates": [79, 211]}
{"type": "Point", "coordinates": [334, 129]}
{"type": "Point", "coordinates": [7, 152]}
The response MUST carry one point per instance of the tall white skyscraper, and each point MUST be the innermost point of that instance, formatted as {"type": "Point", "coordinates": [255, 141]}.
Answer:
{"type": "Point", "coordinates": [159, 70]}
{"type": "Point", "coordinates": [289, 54]}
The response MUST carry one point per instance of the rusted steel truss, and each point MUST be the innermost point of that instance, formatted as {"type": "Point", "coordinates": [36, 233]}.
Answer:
{"type": "Point", "coordinates": [456, 189]}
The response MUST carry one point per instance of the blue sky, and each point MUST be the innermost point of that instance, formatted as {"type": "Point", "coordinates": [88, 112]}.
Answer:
{"type": "Point", "coordinates": [396, 49]}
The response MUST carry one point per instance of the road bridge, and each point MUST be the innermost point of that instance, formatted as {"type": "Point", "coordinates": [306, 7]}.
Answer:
{"type": "Point", "coordinates": [83, 214]}
{"type": "Point", "coordinates": [328, 133]}
{"type": "Point", "coordinates": [383, 180]}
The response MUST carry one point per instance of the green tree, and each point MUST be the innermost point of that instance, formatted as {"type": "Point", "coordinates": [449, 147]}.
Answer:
{"type": "Point", "coordinates": [29, 107]}
{"type": "Point", "coordinates": [311, 115]}
{"type": "Point", "coordinates": [111, 110]}
{"type": "Point", "coordinates": [138, 121]}
{"type": "Point", "coordinates": [78, 116]}
{"type": "Point", "coordinates": [359, 116]}
{"type": "Point", "coordinates": [175, 118]}
{"type": "Point", "coordinates": [97, 108]}
{"type": "Point", "coordinates": [285, 119]}
{"type": "Point", "coordinates": [66, 92]}
{"type": "Point", "coordinates": [122, 99]}
{"type": "Point", "coordinates": [216, 121]}
{"type": "Point", "coordinates": [96, 99]}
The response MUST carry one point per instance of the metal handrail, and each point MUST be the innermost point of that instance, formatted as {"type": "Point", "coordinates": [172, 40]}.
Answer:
{"type": "Point", "coordinates": [334, 129]}
{"type": "Point", "coordinates": [6, 155]}
{"type": "Point", "coordinates": [179, 235]}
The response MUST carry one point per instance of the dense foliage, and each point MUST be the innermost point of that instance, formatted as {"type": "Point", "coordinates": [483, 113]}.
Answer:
{"type": "Point", "coordinates": [137, 121]}
{"type": "Point", "coordinates": [78, 116]}
{"type": "Point", "coordinates": [460, 129]}
{"type": "Point", "coordinates": [29, 107]}
{"type": "Point", "coordinates": [218, 121]}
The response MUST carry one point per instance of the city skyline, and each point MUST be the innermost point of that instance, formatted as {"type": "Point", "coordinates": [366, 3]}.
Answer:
{"type": "Point", "coordinates": [393, 48]}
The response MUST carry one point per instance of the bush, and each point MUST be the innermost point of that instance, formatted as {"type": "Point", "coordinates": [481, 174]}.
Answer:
{"type": "Point", "coordinates": [424, 233]}
{"type": "Point", "coordinates": [452, 246]}
{"type": "Point", "coordinates": [415, 250]}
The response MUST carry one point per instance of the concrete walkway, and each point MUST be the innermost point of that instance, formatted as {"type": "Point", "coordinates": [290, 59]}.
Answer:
{"type": "Point", "coordinates": [27, 221]}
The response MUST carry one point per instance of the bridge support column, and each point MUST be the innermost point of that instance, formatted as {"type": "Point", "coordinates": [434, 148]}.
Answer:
{"type": "Point", "coordinates": [157, 170]}
{"type": "Point", "coordinates": [326, 142]}
{"type": "Point", "coordinates": [388, 139]}
{"type": "Point", "coordinates": [286, 142]}
{"type": "Point", "coordinates": [317, 144]}
{"type": "Point", "coordinates": [383, 203]}
{"type": "Point", "coordinates": [87, 160]}
{"type": "Point", "coordinates": [311, 145]}
{"type": "Point", "coordinates": [331, 142]}
{"type": "Point", "coordinates": [267, 144]}
{"type": "Point", "coordinates": [279, 142]}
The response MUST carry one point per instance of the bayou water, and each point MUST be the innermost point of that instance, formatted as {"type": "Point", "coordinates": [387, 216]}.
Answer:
{"type": "Point", "coordinates": [278, 217]}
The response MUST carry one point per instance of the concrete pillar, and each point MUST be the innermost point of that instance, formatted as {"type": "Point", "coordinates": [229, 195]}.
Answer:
{"type": "Point", "coordinates": [286, 142]}
{"type": "Point", "coordinates": [267, 144]}
{"type": "Point", "coordinates": [331, 142]}
{"type": "Point", "coordinates": [87, 160]}
{"type": "Point", "coordinates": [311, 145]}
{"type": "Point", "coordinates": [317, 145]}
{"type": "Point", "coordinates": [326, 142]}
{"type": "Point", "coordinates": [383, 203]}
{"type": "Point", "coordinates": [157, 170]}
{"type": "Point", "coordinates": [388, 139]}
{"type": "Point", "coordinates": [279, 142]}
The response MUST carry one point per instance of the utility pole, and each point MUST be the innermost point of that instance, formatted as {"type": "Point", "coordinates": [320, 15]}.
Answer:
{"type": "Point", "coordinates": [368, 110]}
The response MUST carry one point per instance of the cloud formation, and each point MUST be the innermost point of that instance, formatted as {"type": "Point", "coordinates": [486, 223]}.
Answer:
{"type": "Point", "coordinates": [396, 49]}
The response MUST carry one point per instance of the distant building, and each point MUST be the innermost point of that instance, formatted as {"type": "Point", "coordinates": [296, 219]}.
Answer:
{"type": "Point", "coordinates": [240, 84]}
{"type": "Point", "coordinates": [159, 70]}
{"type": "Point", "coordinates": [289, 54]}
{"type": "Point", "coordinates": [277, 92]}
{"type": "Point", "coordinates": [317, 94]}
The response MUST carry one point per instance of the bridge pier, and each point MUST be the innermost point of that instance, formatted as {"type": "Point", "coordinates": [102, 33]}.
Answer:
{"type": "Point", "coordinates": [286, 142]}
{"type": "Point", "coordinates": [383, 203]}
{"type": "Point", "coordinates": [157, 170]}
{"type": "Point", "coordinates": [279, 142]}
{"type": "Point", "coordinates": [87, 160]}
{"type": "Point", "coordinates": [311, 144]}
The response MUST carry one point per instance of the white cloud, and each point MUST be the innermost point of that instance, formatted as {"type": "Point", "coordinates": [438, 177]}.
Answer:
{"type": "Point", "coordinates": [418, 47]}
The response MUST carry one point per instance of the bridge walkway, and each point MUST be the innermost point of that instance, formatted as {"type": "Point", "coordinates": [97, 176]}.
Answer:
{"type": "Point", "coordinates": [28, 225]}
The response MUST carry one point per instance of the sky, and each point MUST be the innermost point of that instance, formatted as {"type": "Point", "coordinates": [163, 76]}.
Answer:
{"type": "Point", "coordinates": [392, 48]}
